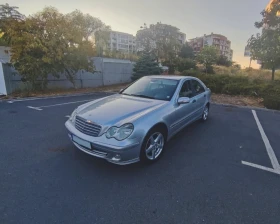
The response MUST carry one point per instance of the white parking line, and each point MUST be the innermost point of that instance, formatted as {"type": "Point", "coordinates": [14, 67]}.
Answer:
{"type": "Point", "coordinates": [34, 108]}
{"type": "Point", "coordinates": [260, 167]}
{"type": "Point", "coordinates": [53, 97]}
{"type": "Point", "coordinates": [55, 105]}
{"type": "Point", "coordinates": [269, 149]}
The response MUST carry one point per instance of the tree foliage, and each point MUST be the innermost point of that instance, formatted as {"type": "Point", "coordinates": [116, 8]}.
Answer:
{"type": "Point", "coordinates": [266, 46]}
{"type": "Point", "coordinates": [161, 38]}
{"type": "Point", "coordinates": [146, 65]}
{"type": "Point", "coordinates": [48, 43]}
{"type": "Point", "coordinates": [183, 64]}
{"type": "Point", "coordinates": [186, 51]}
{"type": "Point", "coordinates": [10, 12]}
{"type": "Point", "coordinates": [223, 61]}
{"type": "Point", "coordinates": [208, 56]}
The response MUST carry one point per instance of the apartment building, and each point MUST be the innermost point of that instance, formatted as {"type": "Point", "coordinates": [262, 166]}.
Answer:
{"type": "Point", "coordinates": [182, 37]}
{"type": "Point", "coordinates": [219, 41]}
{"type": "Point", "coordinates": [120, 41]}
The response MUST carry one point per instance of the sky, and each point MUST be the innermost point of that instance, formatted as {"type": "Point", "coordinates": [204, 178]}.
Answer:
{"type": "Point", "coordinates": [232, 18]}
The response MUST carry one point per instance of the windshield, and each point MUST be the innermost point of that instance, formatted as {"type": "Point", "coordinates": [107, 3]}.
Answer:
{"type": "Point", "coordinates": [152, 88]}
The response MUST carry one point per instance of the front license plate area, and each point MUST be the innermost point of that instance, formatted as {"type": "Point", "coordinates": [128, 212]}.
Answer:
{"type": "Point", "coordinates": [81, 142]}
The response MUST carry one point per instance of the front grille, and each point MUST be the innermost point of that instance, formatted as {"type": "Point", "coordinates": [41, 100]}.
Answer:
{"type": "Point", "coordinates": [86, 127]}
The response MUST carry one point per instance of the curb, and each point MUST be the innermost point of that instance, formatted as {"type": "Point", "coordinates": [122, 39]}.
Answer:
{"type": "Point", "coordinates": [247, 107]}
{"type": "Point", "coordinates": [53, 97]}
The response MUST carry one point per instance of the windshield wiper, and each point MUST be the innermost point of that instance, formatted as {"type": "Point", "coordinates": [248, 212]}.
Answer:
{"type": "Point", "coordinates": [142, 96]}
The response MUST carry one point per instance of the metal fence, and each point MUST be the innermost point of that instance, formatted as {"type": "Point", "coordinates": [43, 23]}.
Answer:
{"type": "Point", "coordinates": [109, 71]}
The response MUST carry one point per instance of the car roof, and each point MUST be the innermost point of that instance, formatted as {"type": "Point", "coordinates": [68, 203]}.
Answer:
{"type": "Point", "coordinates": [174, 77]}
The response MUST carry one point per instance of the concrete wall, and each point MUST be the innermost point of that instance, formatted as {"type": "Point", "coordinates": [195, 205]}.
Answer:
{"type": "Point", "coordinates": [5, 55]}
{"type": "Point", "coordinates": [108, 72]}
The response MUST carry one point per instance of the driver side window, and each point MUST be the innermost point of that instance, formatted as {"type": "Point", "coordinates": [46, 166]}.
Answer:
{"type": "Point", "coordinates": [186, 90]}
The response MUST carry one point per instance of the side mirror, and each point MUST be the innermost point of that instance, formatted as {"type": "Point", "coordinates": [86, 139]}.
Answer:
{"type": "Point", "coordinates": [183, 100]}
{"type": "Point", "coordinates": [121, 91]}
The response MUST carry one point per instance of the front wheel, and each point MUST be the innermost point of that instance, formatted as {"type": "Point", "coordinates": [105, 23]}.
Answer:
{"type": "Point", "coordinates": [153, 146]}
{"type": "Point", "coordinates": [205, 113]}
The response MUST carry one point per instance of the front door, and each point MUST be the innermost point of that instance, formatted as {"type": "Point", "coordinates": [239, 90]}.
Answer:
{"type": "Point", "coordinates": [183, 113]}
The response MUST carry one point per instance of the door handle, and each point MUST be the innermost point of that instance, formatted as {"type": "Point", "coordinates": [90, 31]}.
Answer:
{"type": "Point", "coordinates": [194, 101]}
{"type": "Point", "coordinates": [204, 95]}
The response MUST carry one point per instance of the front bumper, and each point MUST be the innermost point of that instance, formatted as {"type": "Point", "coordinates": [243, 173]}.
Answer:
{"type": "Point", "coordinates": [117, 152]}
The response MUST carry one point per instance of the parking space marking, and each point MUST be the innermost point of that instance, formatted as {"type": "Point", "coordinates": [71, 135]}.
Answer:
{"type": "Point", "coordinates": [261, 167]}
{"type": "Point", "coordinates": [60, 104]}
{"type": "Point", "coordinates": [34, 108]}
{"type": "Point", "coordinates": [269, 149]}
{"type": "Point", "coordinates": [55, 97]}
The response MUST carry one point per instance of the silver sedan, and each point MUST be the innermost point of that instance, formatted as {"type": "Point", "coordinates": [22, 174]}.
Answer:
{"type": "Point", "coordinates": [136, 123]}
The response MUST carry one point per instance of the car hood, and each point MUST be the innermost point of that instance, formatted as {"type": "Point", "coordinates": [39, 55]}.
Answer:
{"type": "Point", "coordinates": [118, 109]}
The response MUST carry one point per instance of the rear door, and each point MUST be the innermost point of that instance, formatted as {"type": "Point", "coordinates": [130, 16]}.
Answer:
{"type": "Point", "coordinates": [199, 99]}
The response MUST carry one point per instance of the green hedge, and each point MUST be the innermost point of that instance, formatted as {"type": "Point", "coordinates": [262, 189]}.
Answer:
{"type": "Point", "coordinates": [242, 85]}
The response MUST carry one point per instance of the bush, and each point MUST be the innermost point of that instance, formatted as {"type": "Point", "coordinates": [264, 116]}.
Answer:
{"type": "Point", "coordinates": [272, 102]}
{"type": "Point", "coordinates": [183, 64]}
{"type": "Point", "coordinates": [191, 72]}
{"type": "Point", "coordinates": [242, 85]}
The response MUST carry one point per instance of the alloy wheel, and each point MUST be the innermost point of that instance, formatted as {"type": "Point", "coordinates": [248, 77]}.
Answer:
{"type": "Point", "coordinates": [154, 146]}
{"type": "Point", "coordinates": [205, 113]}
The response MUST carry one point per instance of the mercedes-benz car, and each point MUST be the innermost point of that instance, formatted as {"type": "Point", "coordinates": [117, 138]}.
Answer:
{"type": "Point", "coordinates": [135, 124]}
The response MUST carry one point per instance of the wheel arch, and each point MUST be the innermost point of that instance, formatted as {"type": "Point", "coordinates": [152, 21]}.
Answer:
{"type": "Point", "coordinates": [162, 126]}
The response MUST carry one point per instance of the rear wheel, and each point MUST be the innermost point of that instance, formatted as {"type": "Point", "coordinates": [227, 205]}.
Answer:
{"type": "Point", "coordinates": [205, 113]}
{"type": "Point", "coordinates": [153, 146]}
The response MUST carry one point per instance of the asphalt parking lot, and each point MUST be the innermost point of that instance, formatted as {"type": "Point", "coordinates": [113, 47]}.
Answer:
{"type": "Point", "coordinates": [222, 171]}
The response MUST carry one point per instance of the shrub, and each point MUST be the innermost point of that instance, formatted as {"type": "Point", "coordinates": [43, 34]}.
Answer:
{"type": "Point", "coordinates": [272, 102]}
{"type": "Point", "coordinates": [242, 85]}
{"type": "Point", "coordinates": [183, 64]}
{"type": "Point", "coordinates": [191, 72]}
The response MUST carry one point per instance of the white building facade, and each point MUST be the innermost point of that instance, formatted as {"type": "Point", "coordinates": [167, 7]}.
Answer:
{"type": "Point", "coordinates": [123, 42]}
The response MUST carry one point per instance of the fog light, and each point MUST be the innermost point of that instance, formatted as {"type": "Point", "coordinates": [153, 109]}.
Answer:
{"type": "Point", "coordinates": [116, 158]}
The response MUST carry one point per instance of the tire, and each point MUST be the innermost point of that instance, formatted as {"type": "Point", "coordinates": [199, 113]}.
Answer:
{"type": "Point", "coordinates": [205, 113]}
{"type": "Point", "coordinates": [153, 146]}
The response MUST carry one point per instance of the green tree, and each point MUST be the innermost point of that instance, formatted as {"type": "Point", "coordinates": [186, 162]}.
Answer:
{"type": "Point", "coordinates": [266, 46]}
{"type": "Point", "coordinates": [183, 64]}
{"type": "Point", "coordinates": [85, 24]}
{"type": "Point", "coordinates": [208, 56]}
{"type": "Point", "coordinates": [146, 65]}
{"type": "Point", "coordinates": [162, 40]}
{"type": "Point", "coordinates": [47, 43]}
{"type": "Point", "coordinates": [223, 61]}
{"type": "Point", "coordinates": [186, 51]}
{"type": "Point", "coordinates": [90, 29]}
{"type": "Point", "coordinates": [10, 12]}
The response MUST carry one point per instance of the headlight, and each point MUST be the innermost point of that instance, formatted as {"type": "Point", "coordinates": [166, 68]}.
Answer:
{"type": "Point", "coordinates": [120, 133]}
{"type": "Point", "coordinates": [73, 116]}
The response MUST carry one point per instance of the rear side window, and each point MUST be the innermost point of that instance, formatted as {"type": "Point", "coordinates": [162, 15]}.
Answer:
{"type": "Point", "coordinates": [197, 87]}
